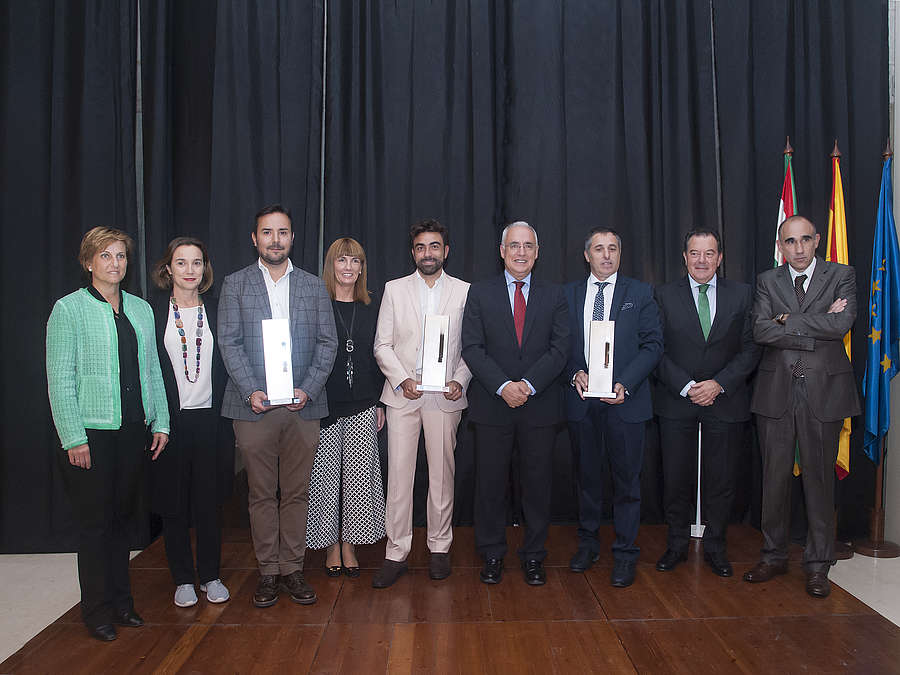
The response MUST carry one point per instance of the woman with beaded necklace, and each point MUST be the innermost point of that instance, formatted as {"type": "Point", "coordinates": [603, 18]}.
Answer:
{"type": "Point", "coordinates": [197, 472]}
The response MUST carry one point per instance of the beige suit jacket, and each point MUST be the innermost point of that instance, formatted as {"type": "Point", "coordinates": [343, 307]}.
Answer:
{"type": "Point", "coordinates": [399, 335]}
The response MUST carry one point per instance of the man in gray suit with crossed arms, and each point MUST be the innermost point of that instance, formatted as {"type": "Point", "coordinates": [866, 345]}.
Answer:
{"type": "Point", "coordinates": [278, 443]}
{"type": "Point", "coordinates": [805, 387]}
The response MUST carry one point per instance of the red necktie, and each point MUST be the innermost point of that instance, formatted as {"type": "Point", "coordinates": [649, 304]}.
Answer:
{"type": "Point", "coordinates": [519, 310]}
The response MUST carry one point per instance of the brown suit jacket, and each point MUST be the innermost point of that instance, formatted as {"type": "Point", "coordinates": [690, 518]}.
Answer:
{"type": "Point", "coordinates": [398, 337]}
{"type": "Point", "coordinates": [809, 333]}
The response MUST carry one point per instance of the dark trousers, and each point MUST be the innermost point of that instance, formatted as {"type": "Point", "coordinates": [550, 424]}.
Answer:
{"type": "Point", "coordinates": [197, 493]}
{"type": "Point", "coordinates": [678, 439]}
{"type": "Point", "coordinates": [818, 446]}
{"type": "Point", "coordinates": [604, 436]}
{"type": "Point", "coordinates": [104, 501]}
{"type": "Point", "coordinates": [493, 456]}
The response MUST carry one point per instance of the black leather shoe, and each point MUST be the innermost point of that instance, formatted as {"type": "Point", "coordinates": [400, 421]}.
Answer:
{"type": "Point", "coordinates": [439, 566]}
{"type": "Point", "coordinates": [105, 632]}
{"type": "Point", "coordinates": [765, 572]}
{"type": "Point", "coordinates": [670, 560]}
{"type": "Point", "coordinates": [390, 571]}
{"type": "Point", "coordinates": [492, 571]}
{"type": "Point", "coordinates": [622, 573]}
{"type": "Point", "coordinates": [128, 617]}
{"type": "Point", "coordinates": [534, 573]}
{"type": "Point", "coordinates": [718, 563]}
{"type": "Point", "coordinates": [817, 584]}
{"type": "Point", "coordinates": [352, 572]}
{"type": "Point", "coordinates": [266, 593]}
{"type": "Point", "coordinates": [333, 571]}
{"type": "Point", "coordinates": [583, 560]}
{"type": "Point", "coordinates": [301, 592]}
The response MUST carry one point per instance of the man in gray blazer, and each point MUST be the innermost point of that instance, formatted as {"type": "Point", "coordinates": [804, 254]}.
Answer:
{"type": "Point", "coordinates": [805, 387]}
{"type": "Point", "coordinates": [278, 443]}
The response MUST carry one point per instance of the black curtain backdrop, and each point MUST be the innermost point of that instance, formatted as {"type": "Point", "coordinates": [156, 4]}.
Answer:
{"type": "Point", "coordinates": [67, 119]}
{"type": "Point", "coordinates": [567, 115]}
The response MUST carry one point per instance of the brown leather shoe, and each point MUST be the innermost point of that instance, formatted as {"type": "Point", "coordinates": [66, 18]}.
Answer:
{"type": "Point", "coordinates": [817, 584]}
{"type": "Point", "coordinates": [765, 572]}
{"type": "Point", "coordinates": [439, 566]}
{"type": "Point", "coordinates": [301, 592]}
{"type": "Point", "coordinates": [266, 593]}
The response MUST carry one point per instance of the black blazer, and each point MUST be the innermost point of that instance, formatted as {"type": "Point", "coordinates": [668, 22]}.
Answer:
{"type": "Point", "coordinates": [167, 472]}
{"type": "Point", "coordinates": [638, 346]}
{"type": "Point", "coordinates": [729, 356]}
{"type": "Point", "coordinates": [492, 352]}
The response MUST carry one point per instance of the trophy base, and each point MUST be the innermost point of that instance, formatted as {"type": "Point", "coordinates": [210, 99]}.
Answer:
{"type": "Point", "coordinates": [599, 394]}
{"type": "Point", "coordinates": [431, 387]}
{"type": "Point", "coordinates": [281, 401]}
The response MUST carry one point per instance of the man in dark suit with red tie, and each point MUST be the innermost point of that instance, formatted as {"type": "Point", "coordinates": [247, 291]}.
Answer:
{"type": "Point", "coordinates": [515, 339]}
{"type": "Point", "coordinates": [610, 428]}
{"type": "Point", "coordinates": [805, 387]}
{"type": "Point", "coordinates": [702, 381]}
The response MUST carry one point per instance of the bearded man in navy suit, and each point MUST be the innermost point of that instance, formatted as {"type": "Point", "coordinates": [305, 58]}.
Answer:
{"type": "Point", "coordinates": [612, 428]}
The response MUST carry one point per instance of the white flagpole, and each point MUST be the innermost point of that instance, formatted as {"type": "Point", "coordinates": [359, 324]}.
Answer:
{"type": "Point", "coordinates": [698, 526]}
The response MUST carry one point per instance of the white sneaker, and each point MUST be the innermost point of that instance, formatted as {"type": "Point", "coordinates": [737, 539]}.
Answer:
{"type": "Point", "coordinates": [215, 591]}
{"type": "Point", "coordinates": [185, 595]}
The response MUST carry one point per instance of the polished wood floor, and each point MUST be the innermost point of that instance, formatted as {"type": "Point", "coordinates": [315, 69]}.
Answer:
{"type": "Point", "coordinates": [686, 621]}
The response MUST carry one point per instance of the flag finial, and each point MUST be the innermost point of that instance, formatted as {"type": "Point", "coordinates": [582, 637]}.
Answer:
{"type": "Point", "coordinates": [835, 152]}
{"type": "Point", "coordinates": [888, 151]}
{"type": "Point", "coordinates": [788, 150]}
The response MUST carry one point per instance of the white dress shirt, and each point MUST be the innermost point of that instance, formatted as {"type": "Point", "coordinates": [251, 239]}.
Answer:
{"type": "Point", "coordinates": [279, 291]}
{"type": "Point", "coordinates": [589, 298]}
{"type": "Point", "coordinates": [511, 289]}
{"type": "Point", "coordinates": [808, 272]}
{"type": "Point", "coordinates": [711, 296]}
{"type": "Point", "coordinates": [429, 301]}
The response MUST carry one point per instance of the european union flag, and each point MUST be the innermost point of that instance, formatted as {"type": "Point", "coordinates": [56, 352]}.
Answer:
{"type": "Point", "coordinates": [883, 353]}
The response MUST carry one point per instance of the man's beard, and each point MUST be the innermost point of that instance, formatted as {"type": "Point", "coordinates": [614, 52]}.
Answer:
{"type": "Point", "coordinates": [267, 257]}
{"type": "Point", "coordinates": [435, 264]}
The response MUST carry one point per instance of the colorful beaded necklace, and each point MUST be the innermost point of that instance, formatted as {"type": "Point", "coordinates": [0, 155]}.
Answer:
{"type": "Point", "coordinates": [180, 326]}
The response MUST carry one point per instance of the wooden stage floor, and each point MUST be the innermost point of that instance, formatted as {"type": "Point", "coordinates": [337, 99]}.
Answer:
{"type": "Point", "coordinates": [686, 621]}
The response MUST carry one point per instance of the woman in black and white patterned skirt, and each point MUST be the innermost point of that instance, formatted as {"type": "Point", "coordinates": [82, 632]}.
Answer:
{"type": "Point", "coordinates": [346, 497]}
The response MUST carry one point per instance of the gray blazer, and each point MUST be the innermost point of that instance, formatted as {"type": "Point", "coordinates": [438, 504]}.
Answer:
{"type": "Point", "coordinates": [243, 304]}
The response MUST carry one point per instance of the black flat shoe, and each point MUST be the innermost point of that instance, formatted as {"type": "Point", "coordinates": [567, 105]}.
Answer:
{"type": "Point", "coordinates": [534, 573]}
{"type": "Point", "coordinates": [352, 572]}
{"type": "Point", "coordinates": [492, 571]}
{"type": "Point", "coordinates": [105, 632]}
{"type": "Point", "coordinates": [333, 571]}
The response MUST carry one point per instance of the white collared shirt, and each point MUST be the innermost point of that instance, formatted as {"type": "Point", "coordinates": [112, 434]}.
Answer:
{"type": "Point", "coordinates": [511, 289]}
{"type": "Point", "coordinates": [429, 301]}
{"type": "Point", "coordinates": [589, 298]}
{"type": "Point", "coordinates": [279, 291]}
{"type": "Point", "coordinates": [808, 272]}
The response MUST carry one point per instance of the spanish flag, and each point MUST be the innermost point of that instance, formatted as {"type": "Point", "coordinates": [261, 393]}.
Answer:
{"type": "Point", "coordinates": [837, 252]}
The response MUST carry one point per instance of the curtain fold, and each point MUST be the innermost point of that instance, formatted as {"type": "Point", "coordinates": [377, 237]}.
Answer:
{"type": "Point", "coordinates": [67, 119]}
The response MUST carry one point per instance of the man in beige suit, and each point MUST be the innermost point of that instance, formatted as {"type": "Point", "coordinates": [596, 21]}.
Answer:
{"type": "Point", "coordinates": [398, 351]}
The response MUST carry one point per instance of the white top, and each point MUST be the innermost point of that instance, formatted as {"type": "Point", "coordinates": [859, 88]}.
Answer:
{"type": "Point", "coordinates": [589, 298]}
{"type": "Point", "coordinates": [197, 394]}
{"type": "Point", "coordinates": [429, 301]}
{"type": "Point", "coordinates": [279, 291]}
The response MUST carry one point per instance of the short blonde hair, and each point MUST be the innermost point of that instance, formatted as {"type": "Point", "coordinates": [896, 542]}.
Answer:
{"type": "Point", "coordinates": [97, 239]}
{"type": "Point", "coordinates": [349, 247]}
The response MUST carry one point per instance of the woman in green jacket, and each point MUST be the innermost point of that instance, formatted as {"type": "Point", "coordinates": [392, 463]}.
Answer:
{"type": "Point", "coordinates": [105, 388]}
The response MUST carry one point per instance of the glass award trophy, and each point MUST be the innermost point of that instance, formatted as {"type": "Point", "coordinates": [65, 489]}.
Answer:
{"type": "Point", "coordinates": [434, 353]}
{"type": "Point", "coordinates": [276, 335]}
{"type": "Point", "coordinates": [600, 360]}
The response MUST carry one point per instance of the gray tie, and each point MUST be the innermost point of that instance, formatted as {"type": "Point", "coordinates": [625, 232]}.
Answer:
{"type": "Point", "coordinates": [598, 300]}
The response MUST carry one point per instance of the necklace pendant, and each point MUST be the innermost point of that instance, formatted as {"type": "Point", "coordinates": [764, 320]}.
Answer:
{"type": "Point", "coordinates": [349, 345]}
{"type": "Point", "coordinates": [349, 372]}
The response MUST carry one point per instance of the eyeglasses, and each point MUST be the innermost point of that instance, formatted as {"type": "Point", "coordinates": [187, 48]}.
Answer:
{"type": "Point", "coordinates": [516, 246]}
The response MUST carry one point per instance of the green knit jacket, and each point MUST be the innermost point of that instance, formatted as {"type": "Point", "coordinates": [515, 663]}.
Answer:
{"type": "Point", "coordinates": [83, 366]}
